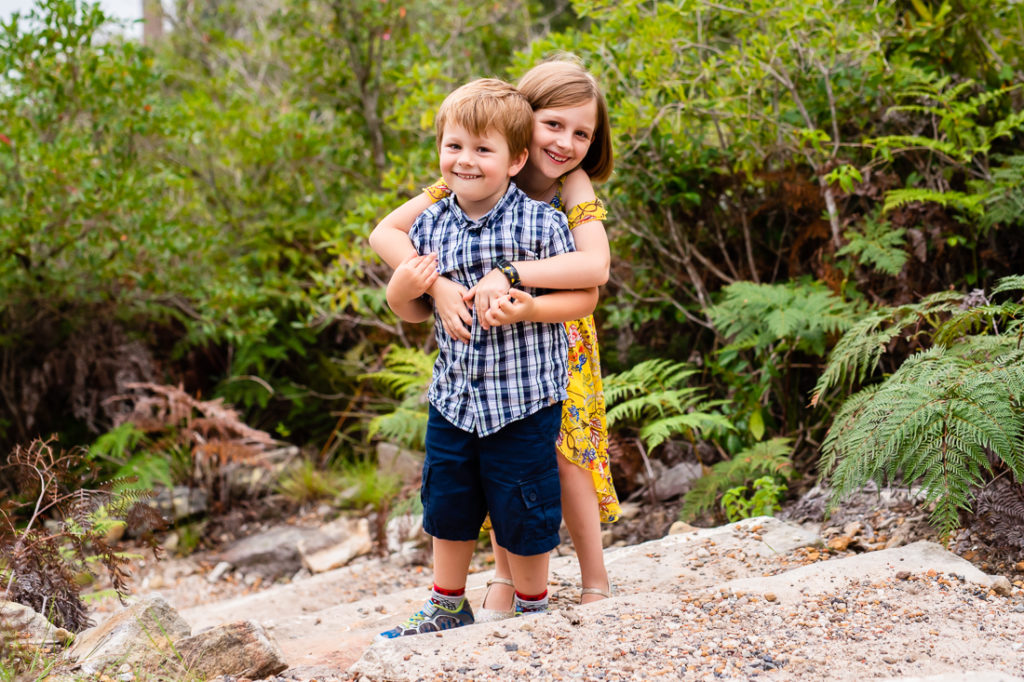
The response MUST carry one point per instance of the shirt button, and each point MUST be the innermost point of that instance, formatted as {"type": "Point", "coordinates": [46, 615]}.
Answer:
{"type": "Point", "coordinates": [533, 497]}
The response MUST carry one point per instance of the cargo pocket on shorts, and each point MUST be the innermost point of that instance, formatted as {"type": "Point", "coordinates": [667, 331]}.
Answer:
{"type": "Point", "coordinates": [542, 498]}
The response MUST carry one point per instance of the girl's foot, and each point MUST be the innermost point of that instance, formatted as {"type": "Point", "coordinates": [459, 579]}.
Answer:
{"type": "Point", "coordinates": [592, 594]}
{"type": "Point", "coordinates": [497, 603]}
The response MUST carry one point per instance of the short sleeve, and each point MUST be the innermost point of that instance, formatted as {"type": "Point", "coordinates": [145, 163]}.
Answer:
{"type": "Point", "coordinates": [439, 190]}
{"type": "Point", "coordinates": [586, 211]}
{"type": "Point", "coordinates": [560, 238]}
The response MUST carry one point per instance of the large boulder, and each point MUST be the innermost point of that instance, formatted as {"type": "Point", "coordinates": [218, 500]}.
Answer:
{"type": "Point", "coordinates": [141, 636]}
{"type": "Point", "coordinates": [240, 649]}
{"type": "Point", "coordinates": [30, 627]}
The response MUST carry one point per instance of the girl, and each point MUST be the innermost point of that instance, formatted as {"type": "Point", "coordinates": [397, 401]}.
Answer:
{"type": "Point", "coordinates": [571, 147]}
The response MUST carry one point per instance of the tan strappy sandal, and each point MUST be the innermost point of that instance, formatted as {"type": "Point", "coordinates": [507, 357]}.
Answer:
{"type": "Point", "coordinates": [484, 615]}
{"type": "Point", "coordinates": [607, 594]}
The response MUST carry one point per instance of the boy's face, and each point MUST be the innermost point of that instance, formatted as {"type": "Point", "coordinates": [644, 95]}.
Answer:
{"type": "Point", "coordinates": [477, 167]}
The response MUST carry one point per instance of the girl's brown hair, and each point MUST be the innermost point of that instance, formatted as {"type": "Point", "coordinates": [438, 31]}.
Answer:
{"type": "Point", "coordinates": [563, 82]}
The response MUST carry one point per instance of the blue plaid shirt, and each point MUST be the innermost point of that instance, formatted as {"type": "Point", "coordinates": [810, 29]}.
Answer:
{"type": "Point", "coordinates": [505, 373]}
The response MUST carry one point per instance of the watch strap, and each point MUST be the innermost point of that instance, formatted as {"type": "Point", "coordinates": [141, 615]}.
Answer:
{"type": "Point", "coordinates": [510, 272]}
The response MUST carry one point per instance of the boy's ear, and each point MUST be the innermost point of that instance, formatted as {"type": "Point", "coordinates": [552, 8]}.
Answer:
{"type": "Point", "coordinates": [518, 163]}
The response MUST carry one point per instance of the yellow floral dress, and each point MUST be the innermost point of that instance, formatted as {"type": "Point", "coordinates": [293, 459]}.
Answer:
{"type": "Point", "coordinates": [583, 438]}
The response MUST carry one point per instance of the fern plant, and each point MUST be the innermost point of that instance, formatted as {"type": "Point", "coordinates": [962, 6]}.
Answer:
{"type": "Point", "coordinates": [877, 244]}
{"type": "Point", "coordinates": [947, 417]}
{"type": "Point", "coordinates": [653, 394]}
{"type": "Point", "coordinates": [406, 375]}
{"type": "Point", "coordinates": [769, 458]}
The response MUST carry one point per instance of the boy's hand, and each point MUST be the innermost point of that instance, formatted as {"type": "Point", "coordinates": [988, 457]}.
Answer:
{"type": "Point", "coordinates": [413, 277]}
{"type": "Point", "coordinates": [450, 309]}
{"type": "Point", "coordinates": [484, 293]}
{"type": "Point", "coordinates": [515, 306]}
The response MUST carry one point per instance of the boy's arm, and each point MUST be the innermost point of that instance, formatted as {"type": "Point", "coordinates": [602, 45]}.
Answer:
{"type": "Point", "coordinates": [560, 306]}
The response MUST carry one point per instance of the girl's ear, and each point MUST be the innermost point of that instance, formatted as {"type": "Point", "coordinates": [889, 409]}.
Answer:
{"type": "Point", "coordinates": [518, 163]}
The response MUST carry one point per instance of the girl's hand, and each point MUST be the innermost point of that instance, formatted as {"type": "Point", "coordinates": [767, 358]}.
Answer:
{"type": "Point", "coordinates": [413, 277]}
{"type": "Point", "coordinates": [515, 306]}
{"type": "Point", "coordinates": [451, 308]}
{"type": "Point", "coordinates": [484, 293]}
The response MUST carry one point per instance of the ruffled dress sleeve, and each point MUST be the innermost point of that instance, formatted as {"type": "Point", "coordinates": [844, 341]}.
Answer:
{"type": "Point", "coordinates": [439, 190]}
{"type": "Point", "coordinates": [586, 211]}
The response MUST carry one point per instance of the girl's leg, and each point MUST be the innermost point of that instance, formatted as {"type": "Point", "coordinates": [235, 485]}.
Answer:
{"type": "Point", "coordinates": [500, 595]}
{"type": "Point", "coordinates": [583, 519]}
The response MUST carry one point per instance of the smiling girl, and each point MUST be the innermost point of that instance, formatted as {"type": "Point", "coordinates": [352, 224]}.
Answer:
{"type": "Point", "coordinates": [570, 149]}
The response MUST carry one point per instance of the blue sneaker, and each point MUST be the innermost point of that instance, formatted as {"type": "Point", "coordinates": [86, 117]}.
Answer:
{"type": "Point", "coordinates": [433, 617]}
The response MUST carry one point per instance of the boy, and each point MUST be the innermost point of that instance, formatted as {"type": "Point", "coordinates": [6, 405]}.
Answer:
{"type": "Point", "coordinates": [495, 402]}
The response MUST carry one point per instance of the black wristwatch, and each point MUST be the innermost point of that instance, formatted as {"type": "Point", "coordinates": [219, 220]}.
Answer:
{"type": "Point", "coordinates": [510, 272]}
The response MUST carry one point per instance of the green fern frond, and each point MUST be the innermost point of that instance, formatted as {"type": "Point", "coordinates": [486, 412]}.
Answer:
{"type": "Point", "coordinates": [657, 432]}
{"type": "Point", "coordinates": [970, 203]}
{"type": "Point", "coordinates": [800, 314]}
{"type": "Point", "coordinates": [895, 142]}
{"type": "Point", "coordinates": [406, 425]}
{"type": "Point", "coordinates": [407, 371]}
{"type": "Point", "coordinates": [859, 350]}
{"type": "Point", "coordinates": [654, 394]}
{"type": "Point", "coordinates": [933, 422]}
{"type": "Point", "coordinates": [1011, 283]}
{"type": "Point", "coordinates": [877, 244]}
{"type": "Point", "coordinates": [646, 377]}
{"type": "Point", "coordinates": [770, 457]}
{"type": "Point", "coordinates": [406, 374]}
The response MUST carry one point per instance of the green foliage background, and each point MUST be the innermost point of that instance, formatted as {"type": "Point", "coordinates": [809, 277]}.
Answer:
{"type": "Point", "coordinates": [196, 210]}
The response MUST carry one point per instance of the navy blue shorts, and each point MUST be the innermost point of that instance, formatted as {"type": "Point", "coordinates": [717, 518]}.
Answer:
{"type": "Point", "coordinates": [513, 474]}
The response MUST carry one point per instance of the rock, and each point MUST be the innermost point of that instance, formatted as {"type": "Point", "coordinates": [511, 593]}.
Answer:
{"type": "Point", "coordinates": [353, 541]}
{"type": "Point", "coordinates": [630, 510]}
{"type": "Point", "coordinates": [141, 636]}
{"type": "Point", "coordinates": [219, 571]}
{"type": "Point", "coordinates": [392, 459]}
{"type": "Point", "coordinates": [242, 649]}
{"type": "Point", "coordinates": [403, 529]}
{"type": "Point", "coordinates": [253, 479]}
{"type": "Point", "coordinates": [274, 553]}
{"type": "Point", "coordinates": [840, 543]}
{"type": "Point", "coordinates": [1001, 585]}
{"type": "Point", "coordinates": [677, 480]}
{"type": "Point", "coordinates": [31, 627]}
{"type": "Point", "coordinates": [180, 502]}
{"type": "Point", "coordinates": [680, 527]}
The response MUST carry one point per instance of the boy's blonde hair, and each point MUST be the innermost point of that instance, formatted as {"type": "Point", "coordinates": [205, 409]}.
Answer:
{"type": "Point", "coordinates": [489, 104]}
{"type": "Point", "coordinates": [562, 82]}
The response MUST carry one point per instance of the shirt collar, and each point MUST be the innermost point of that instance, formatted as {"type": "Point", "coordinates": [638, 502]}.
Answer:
{"type": "Point", "coordinates": [484, 221]}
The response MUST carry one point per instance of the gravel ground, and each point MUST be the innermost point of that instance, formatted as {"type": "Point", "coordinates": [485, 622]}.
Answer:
{"type": "Point", "coordinates": [918, 625]}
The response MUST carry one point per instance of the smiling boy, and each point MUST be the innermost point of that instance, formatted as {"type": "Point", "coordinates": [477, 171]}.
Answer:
{"type": "Point", "coordinates": [495, 402]}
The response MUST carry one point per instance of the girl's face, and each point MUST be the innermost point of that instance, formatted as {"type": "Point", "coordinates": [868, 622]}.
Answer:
{"type": "Point", "coordinates": [561, 138]}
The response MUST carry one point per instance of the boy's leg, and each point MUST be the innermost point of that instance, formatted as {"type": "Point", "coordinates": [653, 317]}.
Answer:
{"type": "Point", "coordinates": [453, 509]}
{"type": "Point", "coordinates": [451, 563]}
{"type": "Point", "coordinates": [529, 573]}
{"type": "Point", "coordinates": [519, 470]}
